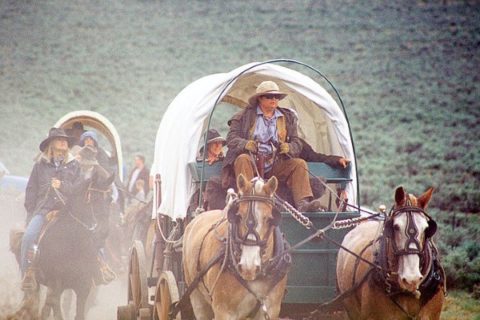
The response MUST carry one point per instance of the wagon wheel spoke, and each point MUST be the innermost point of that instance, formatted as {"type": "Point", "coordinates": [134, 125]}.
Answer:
{"type": "Point", "coordinates": [137, 278]}
{"type": "Point", "coordinates": [166, 294]}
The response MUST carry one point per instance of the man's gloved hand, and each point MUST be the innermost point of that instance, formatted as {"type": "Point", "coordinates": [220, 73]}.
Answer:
{"type": "Point", "coordinates": [56, 183]}
{"type": "Point", "coordinates": [284, 148]}
{"type": "Point", "coordinates": [343, 162]}
{"type": "Point", "coordinates": [251, 146]}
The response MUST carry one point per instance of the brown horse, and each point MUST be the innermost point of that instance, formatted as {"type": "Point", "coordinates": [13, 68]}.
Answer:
{"type": "Point", "coordinates": [237, 247]}
{"type": "Point", "coordinates": [403, 278]}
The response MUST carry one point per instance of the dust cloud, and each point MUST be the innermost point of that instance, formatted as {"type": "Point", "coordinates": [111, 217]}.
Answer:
{"type": "Point", "coordinates": [103, 301]}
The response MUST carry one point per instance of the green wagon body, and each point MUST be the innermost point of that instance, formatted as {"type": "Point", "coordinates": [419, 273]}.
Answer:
{"type": "Point", "coordinates": [312, 278]}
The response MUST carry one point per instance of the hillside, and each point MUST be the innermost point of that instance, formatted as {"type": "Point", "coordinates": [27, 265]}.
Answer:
{"type": "Point", "coordinates": [408, 74]}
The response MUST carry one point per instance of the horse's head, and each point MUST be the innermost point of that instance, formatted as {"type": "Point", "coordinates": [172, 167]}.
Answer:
{"type": "Point", "coordinates": [91, 194]}
{"type": "Point", "coordinates": [252, 217]}
{"type": "Point", "coordinates": [409, 227]}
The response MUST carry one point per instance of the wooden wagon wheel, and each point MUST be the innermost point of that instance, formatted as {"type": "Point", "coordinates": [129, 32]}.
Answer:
{"type": "Point", "coordinates": [137, 277]}
{"type": "Point", "coordinates": [166, 293]}
{"type": "Point", "coordinates": [126, 312]}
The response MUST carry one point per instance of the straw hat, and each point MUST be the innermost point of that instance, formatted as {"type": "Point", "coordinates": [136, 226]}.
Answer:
{"type": "Point", "coordinates": [266, 87]}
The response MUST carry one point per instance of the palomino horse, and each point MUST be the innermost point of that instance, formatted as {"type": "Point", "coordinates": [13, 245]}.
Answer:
{"type": "Point", "coordinates": [67, 252]}
{"type": "Point", "coordinates": [235, 256]}
{"type": "Point", "coordinates": [395, 272]}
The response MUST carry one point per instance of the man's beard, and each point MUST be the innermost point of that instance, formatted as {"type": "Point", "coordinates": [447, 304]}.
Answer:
{"type": "Point", "coordinates": [59, 154]}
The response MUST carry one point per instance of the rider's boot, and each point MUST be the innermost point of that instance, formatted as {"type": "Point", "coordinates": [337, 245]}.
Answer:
{"type": "Point", "coordinates": [105, 274]}
{"type": "Point", "coordinates": [306, 205]}
{"type": "Point", "coordinates": [29, 282]}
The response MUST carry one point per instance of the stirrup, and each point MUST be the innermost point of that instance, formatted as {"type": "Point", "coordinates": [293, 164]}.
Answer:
{"type": "Point", "coordinates": [106, 275]}
{"type": "Point", "coordinates": [29, 283]}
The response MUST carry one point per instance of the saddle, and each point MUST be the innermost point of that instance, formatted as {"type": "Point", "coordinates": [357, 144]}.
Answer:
{"type": "Point", "coordinates": [16, 234]}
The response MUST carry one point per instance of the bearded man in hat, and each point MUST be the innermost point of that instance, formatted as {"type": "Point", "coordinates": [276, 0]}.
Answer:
{"type": "Point", "coordinates": [54, 173]}
{"type": "Point", "coordinates": [89, 165]}
{"type": "Point", "coordinates": [267, 134]}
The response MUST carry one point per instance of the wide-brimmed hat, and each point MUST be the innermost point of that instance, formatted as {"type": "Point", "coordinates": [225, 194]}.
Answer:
{"type": "Point", "coordinates": [266, 87]}
{"type": "Point", "coordinates": [52, 134]}
{"type": "Point", "coordinates": [214, 136]}
{"type": "Point", "coordinates": [88, 156]}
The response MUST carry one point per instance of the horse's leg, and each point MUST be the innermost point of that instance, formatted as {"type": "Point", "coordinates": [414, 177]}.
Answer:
{"type": "Point", "coordinates": [67, 298]}
{"type": "Point", "coordinates": [82, 295]}
{"type": "Point", "coordinates": [203, 310]}
{"type": "Point", "coordinates": [47, 307]}
{"type": "Point", "coordinates": [57, 306]}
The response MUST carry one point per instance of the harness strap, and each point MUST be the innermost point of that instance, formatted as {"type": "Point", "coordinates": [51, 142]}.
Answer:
{"type": "Point", "coordinates": [259, 303]}
{"type": "Point", "coordinates": [343, 295]}
{"type": "Point", "coordinates": [183, 301]}
{"type": "Point", "coordinates": [357, 261]}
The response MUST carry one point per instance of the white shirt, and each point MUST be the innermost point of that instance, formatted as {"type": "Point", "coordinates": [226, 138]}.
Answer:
{"type": "Point", "coordinates": [133, 179]}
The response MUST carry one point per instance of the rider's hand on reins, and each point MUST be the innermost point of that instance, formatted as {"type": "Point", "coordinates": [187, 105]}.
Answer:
{"type": "Point", "coordinates": [344, 162]}
{"type": "Point", "coordinates": [251, 146]}
{"type": "Point", "coordinates": [56, 183]}
{"type": "Point", "coordinates": [284, 148]}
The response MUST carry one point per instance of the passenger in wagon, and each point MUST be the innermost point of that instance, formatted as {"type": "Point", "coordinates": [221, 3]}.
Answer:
{"type": "Point", "coordinates": [215, 143]}
{"type": "Point", "coordinates": [267, 134]}
{"type": "Point", "coordinates": [214, 195]}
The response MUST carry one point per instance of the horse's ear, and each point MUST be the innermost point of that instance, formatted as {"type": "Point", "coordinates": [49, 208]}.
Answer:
{"type": "Point", "coordinates": [400, 196]}
{"type": "Point", "coordinates": [271, 186]}
{"type": "Point", "coordinates": [424, 199]}
{"type": "Point", "coordinates": [242, 183]}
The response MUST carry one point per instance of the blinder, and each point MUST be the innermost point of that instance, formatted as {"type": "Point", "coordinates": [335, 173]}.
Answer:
{"type": "Point", "coordinates": [388, 228]}
{"type": "Point", "coordinates": [251, 223]}
{"type": "Point", "coordinates": [232, 215]}
{"type": "Point", "coordinates": [431, 229]}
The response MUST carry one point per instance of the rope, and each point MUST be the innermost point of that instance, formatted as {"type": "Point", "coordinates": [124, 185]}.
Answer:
{"type": "Point", "coordinates": [163, 235]}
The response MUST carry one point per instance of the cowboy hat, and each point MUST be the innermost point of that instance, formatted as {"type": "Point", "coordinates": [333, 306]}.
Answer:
{"type": "Point", "coordinates": [266, 87]}
{"type": "Point", "coordinates": [53, 134]}
{"type": "Point", "coordinates": [214, 136]}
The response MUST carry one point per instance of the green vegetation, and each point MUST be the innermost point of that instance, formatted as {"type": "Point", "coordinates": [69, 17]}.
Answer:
{"type": "Point", "coordinates": [407, 72]}
{"type": "Point", "coordinates": [459, 305]}
{"type": "Point", "coordinates": [459, 246]}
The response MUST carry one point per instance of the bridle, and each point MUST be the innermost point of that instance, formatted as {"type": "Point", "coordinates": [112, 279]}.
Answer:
{"type": "Point", "coordinates": [411, 230]}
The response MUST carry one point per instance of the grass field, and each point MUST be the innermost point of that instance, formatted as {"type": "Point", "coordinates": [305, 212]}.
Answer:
{"type": "Point", "coordinates": [459, 306]}
{"type": "Point", "coordinates": [407, 73]}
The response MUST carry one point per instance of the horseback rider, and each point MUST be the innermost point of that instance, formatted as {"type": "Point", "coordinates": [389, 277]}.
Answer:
{"type": "Point", "coordinates": [90, 138]}
{"type": "Point", "coordinates": [53, 174]}
{"type": "Point", "coordinates": [89, 163]}
{"type": "Point", "coordinates": [263, 140]}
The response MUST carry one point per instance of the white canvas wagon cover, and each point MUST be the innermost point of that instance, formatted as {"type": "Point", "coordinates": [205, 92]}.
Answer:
{"type": "Point", "coordinates": [321, 122]}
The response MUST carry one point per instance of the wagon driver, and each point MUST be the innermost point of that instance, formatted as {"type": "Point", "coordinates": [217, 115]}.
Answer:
{"type": "Point", "coordinates": [264, 128]}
